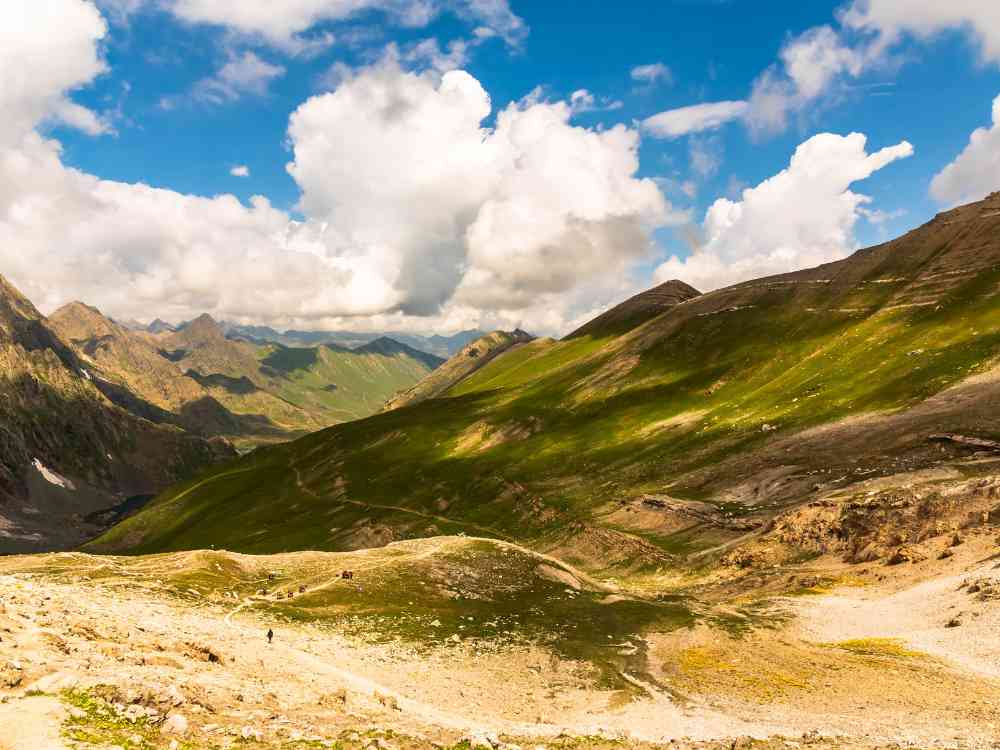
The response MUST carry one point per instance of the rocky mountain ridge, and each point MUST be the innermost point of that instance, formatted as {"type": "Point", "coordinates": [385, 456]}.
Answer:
{"type": "Point", "coordinates": [66, 451]}
{"type": "Point", "coordinates": [201, 380]}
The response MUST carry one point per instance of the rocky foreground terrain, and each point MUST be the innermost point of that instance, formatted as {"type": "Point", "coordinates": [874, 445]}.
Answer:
{"type": "Point", "coordinates": [464, 642]}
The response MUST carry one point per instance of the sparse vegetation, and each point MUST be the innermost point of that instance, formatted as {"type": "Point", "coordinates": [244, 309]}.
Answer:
{"type": "Point", "coordinates": [878, 647]}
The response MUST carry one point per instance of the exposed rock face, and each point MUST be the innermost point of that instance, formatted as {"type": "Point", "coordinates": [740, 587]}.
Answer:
{"type": "Point", "coordinates": [127, 367]}
{"type": "Point", "coordinates": [67, 452]}
{"type": "Point", "coordinates": [888, 526]}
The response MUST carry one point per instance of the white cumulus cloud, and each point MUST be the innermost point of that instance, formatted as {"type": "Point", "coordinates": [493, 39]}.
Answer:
{"type": "Point", "coordinates": [287, 24]}
{"type": "Point", "coordinates": [694, 119]}
{"type": "Point", "coordinates": [976, 171]}
{"type": "Point", "coordinates": [243, 74]}
{"type": "Point", "coordinates": [810, 64]}
{"type": "Point", "coordinates": [411, 207]}
{"type": "Point", "coordinates": [801, 217]}
{"type": "Point", "coordinates": [47, 49]}
{"type": "Point", "coordinates": [240, 171]}
{"type": "Point", "coordinates": [414, 182]}
{"type": "Point", "coordinates": [891, 18]}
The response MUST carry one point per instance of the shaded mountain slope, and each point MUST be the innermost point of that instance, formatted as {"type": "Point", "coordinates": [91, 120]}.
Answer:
{"type": "Point", "coordinates": [637, 310]}
{"type": "Point", "coordinates": [295, 389]}
{"type": "Point", "coordinates": [390, 348]}
{"type": "Point", "coordinates": [66, 452]}
{"type": "Point", "coordinates": [467, 361]}
{"type": "Point", "coordinates": [131, 372]}
{"type": "Point", "coordinates": [679, 435]}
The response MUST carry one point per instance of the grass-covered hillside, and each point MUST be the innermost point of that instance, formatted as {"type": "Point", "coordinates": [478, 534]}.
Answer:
{"type": "Point", "coordinates": [470, 358]}
{"type": "Point", "coordinates": [344, 384]}
{"type": "Point", "coordinates": [632, 447]}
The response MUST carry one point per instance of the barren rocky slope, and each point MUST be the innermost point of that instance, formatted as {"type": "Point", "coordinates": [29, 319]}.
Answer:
{"type": "Point", "coordinates": [130, 369]}
{"type": "Point", "coordinates": [461, 643]}
{"type": "Point", "coordinates": [66, 452]}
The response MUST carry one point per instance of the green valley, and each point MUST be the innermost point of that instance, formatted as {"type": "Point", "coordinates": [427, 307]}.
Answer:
{"type": "Point", "coordinates": [247, 392]}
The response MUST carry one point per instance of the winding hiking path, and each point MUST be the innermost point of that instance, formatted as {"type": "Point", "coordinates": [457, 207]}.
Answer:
{"type": "Point", "coordinates": [431, 551]}
{"type": "Point", "coordinates": [209, 480]}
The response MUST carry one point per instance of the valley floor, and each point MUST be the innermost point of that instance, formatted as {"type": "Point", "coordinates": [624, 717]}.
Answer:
{"type": "Point", "coordinates": [170, 651]}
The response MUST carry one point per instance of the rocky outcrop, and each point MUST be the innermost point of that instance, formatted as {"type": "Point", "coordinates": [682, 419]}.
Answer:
{"type": "Point", "coordinates": [66, 451]}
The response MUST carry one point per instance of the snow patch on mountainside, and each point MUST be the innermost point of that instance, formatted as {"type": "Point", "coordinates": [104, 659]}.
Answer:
{"type": "Point", "coordinates": [52, 477]}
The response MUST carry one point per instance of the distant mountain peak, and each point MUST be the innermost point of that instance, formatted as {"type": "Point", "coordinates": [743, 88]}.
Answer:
{"type": "Point", "coordinates": [14, 305]}
{"type": "Point", "coordinates": [203, 329]}
{"type": "Point", "coordinates": [160, 326]}
{"type": "Point", "coordinates": [389, 347]}
{"type": "Point", "coordinates": [21, 324]}
{"type": "Point", "coordinates": [76, 322]}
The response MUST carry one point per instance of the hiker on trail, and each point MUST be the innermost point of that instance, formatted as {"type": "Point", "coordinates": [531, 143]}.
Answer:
{"type": "Point", "coordinates": [270, 635]}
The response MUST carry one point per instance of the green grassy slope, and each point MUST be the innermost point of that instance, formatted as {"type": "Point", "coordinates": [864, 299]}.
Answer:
{"type": "Point", "coordinates": [717, 400]}
{"type": "Point", "coordinates": [344, 384]}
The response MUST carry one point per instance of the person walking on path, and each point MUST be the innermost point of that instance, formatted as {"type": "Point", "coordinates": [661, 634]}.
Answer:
{"type": "Point", "coordinates": [270, 635]}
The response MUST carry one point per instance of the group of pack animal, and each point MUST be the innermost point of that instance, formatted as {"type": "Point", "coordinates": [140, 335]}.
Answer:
{"type": "Point", "coordinates": [346, 575]}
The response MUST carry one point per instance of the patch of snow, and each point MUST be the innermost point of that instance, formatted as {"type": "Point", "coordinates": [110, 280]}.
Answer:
{"type": "Point", "coordinates": [52, 477]}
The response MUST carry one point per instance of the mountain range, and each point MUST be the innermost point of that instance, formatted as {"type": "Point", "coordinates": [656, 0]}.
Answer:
{"type": "Point", "coordinates": [762, 516]}
{"type": "Point", "coordinates": [68, 452]}
{"type": "Point", "coordinates": [671, 425]}
{"type": "Point", "coordinates": [210, 384]}
{"type": "Point", "coordinates": [97, 416]}
{"type": "Point", "coordinates": [436, 344]}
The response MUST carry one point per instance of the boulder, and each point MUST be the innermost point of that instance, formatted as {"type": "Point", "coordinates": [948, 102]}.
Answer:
{"type": "Point", "coordinates": [176, 724]}
{"type": "Point", "coordinates": [905, 554]}
{"type": "Point", "coordinates": [482, 740]}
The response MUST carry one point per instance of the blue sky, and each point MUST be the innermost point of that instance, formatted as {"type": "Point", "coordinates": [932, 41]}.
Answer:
{"type": "Point", "coordinates": [163, 113]}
